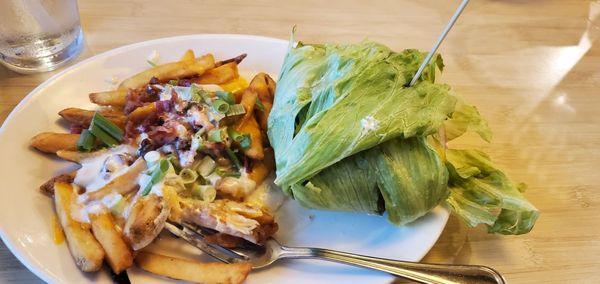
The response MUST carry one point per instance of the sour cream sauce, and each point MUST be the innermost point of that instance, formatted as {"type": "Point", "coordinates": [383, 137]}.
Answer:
{"type": "Point", "coordinates": [97, 171]}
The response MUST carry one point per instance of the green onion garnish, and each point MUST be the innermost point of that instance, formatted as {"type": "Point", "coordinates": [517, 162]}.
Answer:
{"type": "Point", "coordinates": [221, 106]}
{"type": "Point", "coordinates": [215, 135]}
{"type": "Point", "coordinates": [151, 63]}
{"type": "Point", "coordinates": [236, 109]}
{"type": "Point", "coordinates": [188, 175]}
{"type": "Point", "coordinates": [107, 126]}
{"type": "Point", "coordinates": [226, 96]}
{"type": "Point", "coordinates": [103, 135]}
{"type": "Point", "coordinates": [227, 173]}
{"type": "Point", "coordinates": [243, 139]}
{"type": "Point", "coordinates": [259, 105]}
{"type": "Point", "coordinates": [86, 141]}
{"type": "Point", "coordinates": [158, 173]}
{"type": "Point", "coordinates": [233, 158]}
{"type": "Point", "coordinates": [173, 82]}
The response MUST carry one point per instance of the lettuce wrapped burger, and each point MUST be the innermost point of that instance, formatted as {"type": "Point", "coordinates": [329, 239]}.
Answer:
{"type": "Point", "coordinates": [349, 136]}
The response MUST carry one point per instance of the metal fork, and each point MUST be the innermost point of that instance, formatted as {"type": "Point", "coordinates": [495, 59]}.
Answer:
{"type": "Point", "coordinates": [263, 256]}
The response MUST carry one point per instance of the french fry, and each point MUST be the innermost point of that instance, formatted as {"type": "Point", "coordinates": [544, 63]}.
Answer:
{"type": "Point", "coordinates": [48, 187]}
{"type": "Point", "coordinates": [238, 59]}
{"type": "Point", "coordinates": [193, 271]}
{"type": "Point", "coordinates": [50, 142]}
{"type": "Point", "coordinates": [85, 249]}
{"type": "Point", "coordinates": [115, 98]}
{"type": "Point", "coordinates": [264, 86]}
{"type": "Point", "coordinates": [188, 55]}
{"type": "Point", "coordinates": [219, 75]}
{"type": "Point", "coordinates": [262, 169]}
{"type": "Point", "coordinates": [248, 125]}
{"type": "Point", "coordinates": [173, 70]}
{"type": "Point", "coordinates": [118, 253]}
{"type": "Point", "coordinates": [141, 113]}
{"type": "Point", "coordinates": [84, 117]}
{"type": "Point", "coordinates": [122, 184]}
{"type": "Point", "coordinates": [76, 156]}
{"type": "Point", "coordinates": [146, 219]}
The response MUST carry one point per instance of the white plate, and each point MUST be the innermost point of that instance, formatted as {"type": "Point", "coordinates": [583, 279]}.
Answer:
{"type": "Point", "coordinates": [26, 215]}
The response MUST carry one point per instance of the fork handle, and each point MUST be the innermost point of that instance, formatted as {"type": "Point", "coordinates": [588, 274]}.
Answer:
{"type": "Point", "coordinates": [419, 272]}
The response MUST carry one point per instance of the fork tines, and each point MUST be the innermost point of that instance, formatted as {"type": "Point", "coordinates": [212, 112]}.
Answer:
{"type": "Point", "coordinates": [195, 236]}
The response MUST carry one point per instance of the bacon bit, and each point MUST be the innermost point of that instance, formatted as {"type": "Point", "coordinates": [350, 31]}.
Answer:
{"type": "Point", "coordinates": [184, 82]}
{"type": "Point", "coordinates": [164, 106]}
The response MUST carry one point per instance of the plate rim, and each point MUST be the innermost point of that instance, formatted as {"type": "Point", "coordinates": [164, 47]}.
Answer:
{"type": "Point", "coordinates": [8, 240]}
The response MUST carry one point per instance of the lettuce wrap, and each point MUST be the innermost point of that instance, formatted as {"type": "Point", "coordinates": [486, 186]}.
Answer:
{"type": "Point", "coordinates": [348, 135]}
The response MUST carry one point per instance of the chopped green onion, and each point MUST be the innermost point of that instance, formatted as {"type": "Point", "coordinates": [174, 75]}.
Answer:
{"type": "Point", "coordinates": [85, 143]}
{"type": "Point", "coordinates": [107, 126]}
{"type": "Point", "coordinates": [227, 173]}
{"type": "Point", "coordinates": [204, 192]}
{"type": "Point", "coordinates": [237, 109]}
{"type": "Point", "coordinates": [233, 158]}
{"type": "Point", "coordinates": [259, 105]}
{"type": "Point", "coordinates": [188, 175]}
{"type": "Point", "coordinates": [245, 141]}
{"type": "Point", "coordinates": [206, 167]}
{"type": "Point", "coordinates": [221, 106]}
{"type": "Point", "coordinates": [196, 97]}
{"type": "Point", "coordinates": [158, 173]}
{"type": "Point", "coordinates": [174, 161]}
{"type": "Point", "coordinates": [215, 135]}
{"type": "Point", "coordinates": [151, 63]}
{"type": "Point", "coordinates": [173, 82]}
{"type": "Point", "coordinates": [226, 96]}
{"type": "Point", "coordinates": [103, 135]}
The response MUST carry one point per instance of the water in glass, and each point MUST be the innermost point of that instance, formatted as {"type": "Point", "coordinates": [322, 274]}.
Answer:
{"type": "Point", "coordinates": [38, 35]}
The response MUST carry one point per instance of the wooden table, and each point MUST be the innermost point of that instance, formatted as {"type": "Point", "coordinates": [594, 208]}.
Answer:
{"type": "Point", "coordinates": [532, 67]}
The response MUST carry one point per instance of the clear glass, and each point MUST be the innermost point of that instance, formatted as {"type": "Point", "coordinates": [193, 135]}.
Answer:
{"type": "Point", "coordinates": [39, 35]}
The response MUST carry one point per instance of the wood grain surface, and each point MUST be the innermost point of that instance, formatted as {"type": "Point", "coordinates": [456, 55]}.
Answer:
{"type": "Point", "coordinates": [532, 68]}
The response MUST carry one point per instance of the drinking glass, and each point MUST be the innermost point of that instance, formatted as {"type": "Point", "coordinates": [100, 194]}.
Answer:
{"type": "Point", "coordinates": [38, 35]}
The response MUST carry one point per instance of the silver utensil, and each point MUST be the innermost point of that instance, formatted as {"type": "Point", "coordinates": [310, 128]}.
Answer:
{"type": "Point", "coordinates": [271, 251]}
{"type": "Point", "coordinates": [441, 38]}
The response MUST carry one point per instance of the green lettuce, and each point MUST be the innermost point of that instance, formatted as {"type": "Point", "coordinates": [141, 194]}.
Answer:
{"type": "Point", "coordinates": [482, 194]}
{"type": "Point", "coordinates": [404, 177]}
{"type": "Point", "coordinates": [348, 135]}
{"type": "Point", "coordinates": [326, 93]}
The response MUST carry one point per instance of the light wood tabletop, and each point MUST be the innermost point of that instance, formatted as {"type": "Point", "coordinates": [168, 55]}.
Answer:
{"type": "Point", "coordinates": [531, 67]}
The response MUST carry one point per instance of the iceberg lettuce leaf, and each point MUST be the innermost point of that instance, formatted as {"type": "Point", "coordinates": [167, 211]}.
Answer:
{"type": "Point", "coordinates": [403, 176]}
{"type": "Point", "coordinates": [466, 117]}
{"type": "Point", "coordinates": [486, 195]}
{"type": "Point", "coordinates": [326, 92]}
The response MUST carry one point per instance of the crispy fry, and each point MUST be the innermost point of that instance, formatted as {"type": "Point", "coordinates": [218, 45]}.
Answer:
{"type": "Point", "coordinates": [238, 59]}
{"type": "Point", "coordinates": [188, 55]}
{"type": "Point", "coordinates": [145, 221]}
{"type": "Point", "coordinates": [115, 98]}
{"type": "Point", "coordinates": [141, 113]}
{"type": "Point", "coordinates": [173, 70]}
{"type": "Point", "coordinates": [122, 184]}
{"type": "Point", "coordinates": [76, 156]}
{"type": "Point", "coordinates": [84, 117]}
{"type": "Point", "coordinates": [264, 86]}
{"type": "Point", "coordinates": [48, 187]}
{"type": "Point", "coordinates": [118, 253]}
{"type": "Point", "coordinates": [85, 249]}
{"type": "Point", "coordinates": [248, 125]}
{"type": "Point", "coordinates": [191, 270]}
{"type": "Point", "coordinates": [219, 75]}
{"type": "Point", "coordinates": [262, 169]}
{"type": "Point", "coordinates": [50, 142]}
